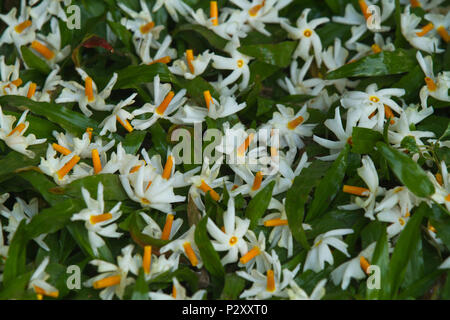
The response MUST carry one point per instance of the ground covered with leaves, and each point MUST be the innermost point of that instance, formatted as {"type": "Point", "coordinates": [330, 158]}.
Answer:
{"type": "Point", "coordinates": [329, 180]}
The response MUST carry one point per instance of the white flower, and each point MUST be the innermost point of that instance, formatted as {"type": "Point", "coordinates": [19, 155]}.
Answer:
{"type": "Point", "coordinates": [343, 136]}
{"type": "Point", "coordinates": [424, 4]}
{"type": "Point", "coordinates": [399, 197]}
{"type": "Point", "coordinates": [59, 167]}
{"type": "Point", "coordinates": [154, 265]}
{"type": "Point", "coordinates": [297, 85]}
{"type": "Point", "coordinates": [360, 21]}
{"type": "Point", "coordinates": [51, 83]}
{"type": "Point", "coordinates": [87, 95]}
{"type": "Point", "coordinates": [141, 24]}
{"type": "Point", "coordinates": [355, 268]}
{"type": "Point", "coordinates": [45, 10]}
{"type": "Point", "coordinates": [291, 126]}
{"type": "Point", "coordinates": [10, 80]}
{"type": "Point", "coordinates": [369, 175]}
{"type": "Point", "coordinates": [441, 23]}
{"type": "Point", "coordinates": [271, 284]}
{"type": "Point", "coordinates": [20, 30]}
{"type": "Point", "coordinates": [98, 222]}
{"type": "Point", "coordinates": [49, 47]}
{"type": "Point", "coordinates": [281, 233]}
{"type": "Point", "coordinates": [164, 54]}
{"type": "Point", "coordinates": [421, 39]}
{"type": "Point", "coordinates": [22, 211]}
{"type": "Point", "coordinates": [441, 185]}
{"type": "Point", "coordinates": [118, 114]}
{"type": "Point", "coordinates": [153, 230]}
{"type": "Point", "coordinates": [397, 219]}
{"type": "Point", "coordinates": [238, 63]}
{"type": "Point", "coordinates": [401, 128]}
{"type": "Point", "coordinates": [305, 32]}
{"type": "Point", "coordinates": [232, 238]}
{"type": "Point", "coordinates": [38, 282]}
{"type": "Point", "coordinates": [191, 66]}
{"type": "Point", "coordinates": [150, 188]}
{"type": "Point", "coordinates": [257, 255]}
{"type": "Point", "coordinates": [178, 293]}
{"type": "Point", "coordinates": [225, 25]}
{"type": "Point", "coordinates": [366, 103]}
{"type": "Point", "coordinates": [185, 245]}
{"type": "Point", "coordinates": [113, 279]}
{"type": "Point", "coordinates": [333, 58]}
{"type": "Point", "coordinates": [297, 293]}
{"type": "Point", "coordinates": [379, 45]}
{"type": "Point", "coordinates": [256, 13]}
{"type": "Point", "coordinates": [14, 137]}
{"type": "Point", "coordinates": [321, 253]}
{"type": "Point", "coordinates": [437, 87]}
{"type": "Point", "coordinates": [165, 103]}
{"type": "Point", "coordinates": [173, 7]}
{"type": "Point", "coordinates": [206, 181]}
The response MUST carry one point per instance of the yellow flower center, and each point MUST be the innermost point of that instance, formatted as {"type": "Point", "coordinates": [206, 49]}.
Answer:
{"type": "Point", "coordinates": [307, 33]}
{"type": "Point", "coordinates": [240, 63]}
{"type": "Point", "coordinates": [374, 99]}
{"type": "Point", "coordinates": [233, 241]}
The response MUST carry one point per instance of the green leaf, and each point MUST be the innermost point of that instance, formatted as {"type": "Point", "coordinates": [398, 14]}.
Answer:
{"type": "Point", "coordinates": [209, 255]}
{"type": "Point", "coordinates": [136, 226]}
{"type": "Point", "coordinates": [14, 160]}
{"type": "Point", "coordinates": [42, 184]}
{"type": "Point", "coordinates": [141, 290]}
{"type": "Point", "coordinates": [15, 263]}
{"type": "Point", "coordinates": [196, 87]}
{"type": "Point", "coordinates": [133, 141]}
{"type": "Point", "coordinates": [329, 186]}
{"type": "Point", "coordinates": [133, 76]}
{"type": "Point", "coordinates": [17, 289]}
{"type": "Point", "coordinates": [407, 171]}
{"type": "Point", "coordinates": [233, 287]}
{"type": "Point", "coordinates": [364, 140]}
{"type": "Point", "coordinates": [258, 205]}
{"type": "Point", "coordinates": [122, 33]}
{"type": "Point", "coordinates": [72, 121]}
{"type": "Point", "coordinates": [33, 61]}
{"type": "Point", "coordinates": [409, 143]}
{"type": "Point", "coordinates": [52, 219]}
{"type": "Point", "coordinates": [112, 187]}
{"type": "Point", "coordinates": [404, 248]}
{"type": "Point", "coordinates": [446, 134]}
{"type": "Point", "coordinates": [213, 39]}
{"type": "Point", "coordinates": [380, 64]}
{"type": "Point", "coordinates": [279, 54]}
{"type": "Point", "coordinates": [297, 196]}
{"type": "Point", "coordinates": [380, 258]}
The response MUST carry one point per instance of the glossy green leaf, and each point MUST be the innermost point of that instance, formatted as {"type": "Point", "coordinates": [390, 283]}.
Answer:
{"type": "Point", "coordinates": [133, 141]}
{"type": "Point", "coordinates": [380, 258]}
{"type": "Point", "coordinates": [364, 140]}
{"type": "Point", "coordinates": [112, 187]}
{"type": "Point", "coordinates": [140, 291]}
{"type": "Point", "coordinates": [258, 205]}
{"type": "Point", "coordinates": [133, 76]}
{"type": "Point", "coordinates": [15, 263]}
{"type": "Point", "coordinates": [329, 186]}
{"type": "Point", "coordinates": [213, 39]}
{"type": "Point", "coordinates": [70, 120]}
{"type": "Point", "coordinates": [407, 171]}
{"type": "Point", "coordinates": [279, 54]}
{"type": "Point", "coordinates": [209, 256]}
{"type": "Point", "coordinates": [234, 285]}
{"type": "Point", "coordinates": [42, 184]}
{"type": "Point", "coordinates": [14, 160]}
{"type": "Point", "coordinates": [54, 218]}
{"type": "Point", "coordinates": [33, 61]}
{"type": "Point", "coordinates": [404, 249]}
{"type": "Point", "coordinates": [379, 64]}
{"type": "Point", "coordinates": [297, 196]}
